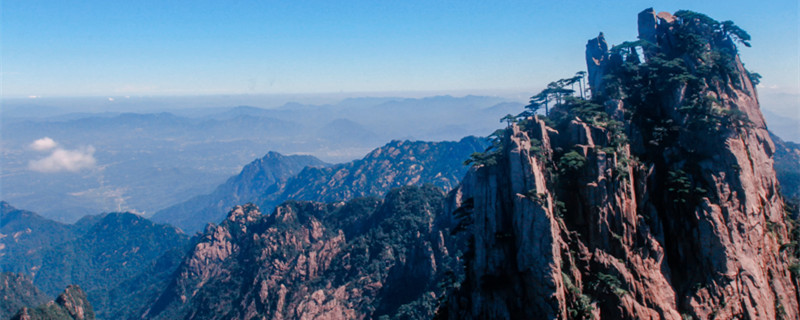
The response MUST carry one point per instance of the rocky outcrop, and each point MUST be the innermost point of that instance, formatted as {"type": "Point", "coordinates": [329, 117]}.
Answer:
{"type": "Point", "coordinates": [17, 291]}
{"type": "Point", "coordinates": [596, 59]}
{"type": "Point", "coordinates": [668, 209]}
{"type": "Point", "coordinates": [359, 259]}
{"type": "Point", "coordinates": [70, 305]}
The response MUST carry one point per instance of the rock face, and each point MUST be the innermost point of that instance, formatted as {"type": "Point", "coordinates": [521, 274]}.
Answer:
{"type": "Point", "coordinates": [396, 164]}
{"type": "Point", "coordinates": [360, 259]}
{"type": "Point", "coordinates": [657, 199]}
{"type": "Point", "coordinates": [70, 305]}
{"type": "Point", "coordinates": [596, 57]}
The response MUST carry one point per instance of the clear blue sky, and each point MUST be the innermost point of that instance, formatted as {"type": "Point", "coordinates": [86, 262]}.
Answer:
{"type": "Point", "coordinates": [97, 48]}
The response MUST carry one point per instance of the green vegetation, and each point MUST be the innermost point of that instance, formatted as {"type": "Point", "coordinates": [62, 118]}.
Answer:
{"type": "Point", "coordinates": [387, 247]}
{"type": "Point", "coordinates": [490, 156]}
{"type": "Point", "coordinates": [680, 188]}
{"type": "Point", "coordinates": [609, 284]}
{"type": "Point", "coordinates": [571, 162]}
{"type": "Point", "coordinates": [792, 247]}
{"type": "Point", "coordinates": [115, 257]}
{"type": "Point", "coordinates": [555, 92]}
{"type": "Point", "coordinates": [72, 304]}
{"type": "Point", "coordinates": [18, 291]}
{"type": "Point", "coordinates": [581, 306]}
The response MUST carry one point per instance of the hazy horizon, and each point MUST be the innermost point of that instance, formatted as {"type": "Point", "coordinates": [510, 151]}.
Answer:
{"type": "Point", "coordinates": [149, 48]}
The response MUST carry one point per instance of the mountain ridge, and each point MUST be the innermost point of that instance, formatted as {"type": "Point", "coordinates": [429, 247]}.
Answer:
{"type": "Point", "coordinates": [395, 164]}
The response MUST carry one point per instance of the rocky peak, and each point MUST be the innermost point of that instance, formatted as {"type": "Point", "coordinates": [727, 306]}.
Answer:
{"type": "Point", "coordinates": [73, 300]}
{"type": "Point", "coordinates": [596, 57]}
{"type": "Point", "coordinates": [359, 259]}
{"type": "Point", "coordinates": [656, 198]}
{"type": "Point", "coordinates": [17, 291]}
{"type": "Point", "coordinates": [244, 214]}
{"type": "Point", "coordinates": [72, 304]}
{"type": "Point", "coordinates": [647, 25]}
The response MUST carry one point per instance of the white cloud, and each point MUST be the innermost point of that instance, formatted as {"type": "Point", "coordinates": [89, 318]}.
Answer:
{"type": "Point", "coordinates": [61, 159]}
{"type": "Point", "coordinates": [43, 144]}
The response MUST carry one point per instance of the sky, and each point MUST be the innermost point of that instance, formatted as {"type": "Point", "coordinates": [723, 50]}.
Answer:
{"type": "Point", "coordinates": [167, 48]}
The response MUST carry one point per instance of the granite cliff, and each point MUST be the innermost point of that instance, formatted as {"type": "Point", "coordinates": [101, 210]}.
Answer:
{"type": "Point", "coordinates": [362, 259]}
{"type": "Point", "coordinates": [656, 198]}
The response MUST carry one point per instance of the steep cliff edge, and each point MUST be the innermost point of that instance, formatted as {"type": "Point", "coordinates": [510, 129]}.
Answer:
{"type": "Point", "coordinates": [654, 199]}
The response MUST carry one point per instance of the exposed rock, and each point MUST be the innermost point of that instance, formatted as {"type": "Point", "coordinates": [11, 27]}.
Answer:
{"type": "Point", "coordinates": [647, 25]}
{"type": "Point", "coordinates": [70, 305]}
{"type": "Point", "coordinates": [307, 260]}
{"type": "Point", "coordinates": [17, 291]}
{"type": "Point", "coordinates": [596, 57]}
{"type": "Point", "coordinates": [673, 222]}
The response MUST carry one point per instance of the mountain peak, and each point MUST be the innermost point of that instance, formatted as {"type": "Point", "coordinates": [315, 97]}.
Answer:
{"type": "Point", "coordinates": [244, 214]}
{"type": "Point", "coordinates": [655, 197]}
{"type": "Point", "coordinates": [72, 304]}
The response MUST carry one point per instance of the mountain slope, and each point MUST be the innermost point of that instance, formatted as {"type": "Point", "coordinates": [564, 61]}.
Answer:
{"type": "Point", "coordinates": [262, 176]}
{"type": "Point", "coordinates": [112, 256]}
{"type": "Point", "coordinates": [787, 166]}
{"type": "Point", "coordinates": [26, 237]}
{"type": "Point", "coordinates": [17, 291]}
{"type": "Point", "coordinates": [396, 164]}
{"type": "Point", "coordinates": [655, 199]}
{"type": "Point", "coordinates": [364, 258]}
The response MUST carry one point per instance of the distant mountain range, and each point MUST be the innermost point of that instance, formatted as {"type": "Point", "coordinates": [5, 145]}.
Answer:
{"type": "Point", "coordinates": [662, 195]}
{"type": "Point", "coordinates": [123, 261]}
{"type": "Point", "coordinates": [146, 162]}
